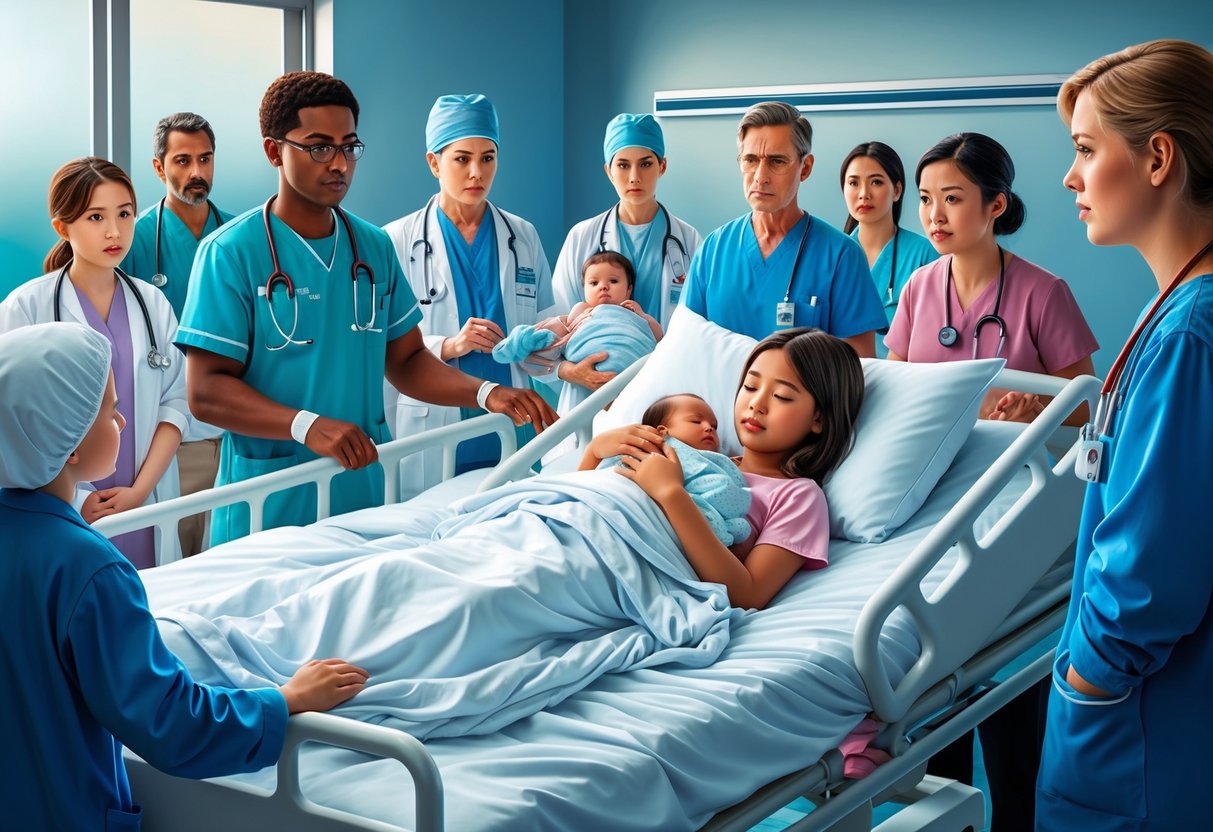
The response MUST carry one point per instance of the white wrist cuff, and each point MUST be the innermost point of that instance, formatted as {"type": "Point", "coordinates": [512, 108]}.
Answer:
{"type": "Point", "coordinates": [482, 395]}
{"type": "Point", "coordinates": [301, 424]}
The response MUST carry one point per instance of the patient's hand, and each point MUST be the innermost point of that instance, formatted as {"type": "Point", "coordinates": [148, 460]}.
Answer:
{"type": "Point", "coordinates": [658, 473]}
{"type": "Point", "coordinates": [630, 440]}
{"type": "Point", "coordinates": [322, 684]}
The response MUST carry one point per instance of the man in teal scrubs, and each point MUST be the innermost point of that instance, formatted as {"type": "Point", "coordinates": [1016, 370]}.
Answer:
{"type": "Point", "coordinates": [292, 367]}
{"type": "Point", "coordinates": [162, 252]}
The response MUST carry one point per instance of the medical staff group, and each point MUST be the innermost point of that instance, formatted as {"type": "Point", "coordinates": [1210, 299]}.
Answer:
{"type": "Point", "coordinates": [245, 344]}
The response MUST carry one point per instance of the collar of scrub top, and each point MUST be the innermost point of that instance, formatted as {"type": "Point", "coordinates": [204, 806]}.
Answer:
{"type": "Point", "coordinates": [156, 359]}
{"type": "Point", "coordinates": [430, 290]}
{"type": "Point", "coordinates": [948, 334]}
{"type": "Point", "coordinates": [160, 279]}
{"type": "Point", "coordinates": [683, 258]}
{"type": "Point", "coordinates": [1112, 394]}
{"type": "Point", "coordinates": [279, 276]}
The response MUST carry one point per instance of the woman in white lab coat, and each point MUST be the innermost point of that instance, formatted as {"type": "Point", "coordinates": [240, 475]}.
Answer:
{"type": "Point", "coordinates": [92, 205]}
{"type": "Point", "coordinates": [476, 270]}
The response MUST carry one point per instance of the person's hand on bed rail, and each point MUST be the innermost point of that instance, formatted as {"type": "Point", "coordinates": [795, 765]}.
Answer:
{"type": "Point", "coordinates": [322, 684]}
{"type": "Point", "coordinates": [1017, 407]}
{"type": "Point", "coordinates": [343, 441]}
{"type": "Point", "coordinates": [523, 406]}
{"type": "Point", "coordinates": [630, 440]}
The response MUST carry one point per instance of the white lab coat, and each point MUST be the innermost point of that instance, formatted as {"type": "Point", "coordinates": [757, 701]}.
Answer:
{"type": "Point", "coordinates": [440, 318]}
{"type": "Point", "coordinates": [582, 241]}
{"type": "Point", "coordinates": [159, 394]}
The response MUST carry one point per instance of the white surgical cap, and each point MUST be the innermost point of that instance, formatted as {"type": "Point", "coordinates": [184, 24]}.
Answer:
{"type": "Point", "coordinates": [52, 380]}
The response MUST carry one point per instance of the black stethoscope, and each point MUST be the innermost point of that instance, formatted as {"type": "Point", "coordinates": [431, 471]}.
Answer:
{"type": "Point", "coordinates": [155, 359]}
{"type": "Point", "coordinates": [948, 335]}
{"type": "Point", "coordinates": [430, 292]}
{"type": "Point", "coordinates": [677, 271]}
{"type": "Point", "coordinates": [893, 266]}
{"type": "Point", "coordinates": [160, 279]}
{"type": "Point", "coordinates": [278, 276]}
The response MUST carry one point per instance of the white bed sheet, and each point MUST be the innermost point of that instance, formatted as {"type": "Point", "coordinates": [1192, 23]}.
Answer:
{"type": "Point", "coordinates": [650, 749]}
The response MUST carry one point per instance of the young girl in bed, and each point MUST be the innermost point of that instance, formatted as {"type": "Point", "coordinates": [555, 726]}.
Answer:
{"type": "Point", "coordinates": [795, 412]}
{"type": "Point", "coordinates": [86, 669]}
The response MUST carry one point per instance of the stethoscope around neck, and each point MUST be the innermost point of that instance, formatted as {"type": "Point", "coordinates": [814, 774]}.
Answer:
{"type": "Point", "coordinates": [278, 276]}
{"type": "Point", "coordinates": [431, 291]}
{"type": "Point", "coordinates": [156, 359]}
{"type": "Point", "coordinates": [948, 336]}
{"type": "Point", "coordinates": [678, 269]}
{"type": "Point", "coordinates": [160, 279]}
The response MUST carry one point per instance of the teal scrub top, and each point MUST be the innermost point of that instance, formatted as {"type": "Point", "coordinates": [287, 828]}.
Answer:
{"type": "Point", "coordinates": [87, 672]}
{"type": "Point", "coordinates": [1140, 625]}
{"type": "Point", "coordinates": [177, 248]}
{"type": "Point", "coordinates": [641, 244]}
{"type": "Point", "coordinates": [337, 372]}
{"type": "Point", "coordinates": [913, 252]}
{"type": "Point", "coordinates": [732, 285]}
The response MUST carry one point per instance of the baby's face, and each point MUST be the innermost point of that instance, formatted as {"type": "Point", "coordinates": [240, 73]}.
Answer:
{"type": "Point", "coordinates": [605, 283]}
{"type": "Point", "coordinates": [693, 422]}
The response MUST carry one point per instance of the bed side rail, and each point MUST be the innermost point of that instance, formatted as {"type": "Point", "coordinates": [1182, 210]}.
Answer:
{"type": "Point", "coordinates": [990, 575]}
{"type": "Point", "coordinates": [255, 491]}
{"type": "Point", "coordinates": [579, 420]}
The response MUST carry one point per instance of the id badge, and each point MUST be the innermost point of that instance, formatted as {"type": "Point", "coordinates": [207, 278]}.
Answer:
{"type": "Point", "coordinates": [525, 284]}
{"type": "Point", "coordinates": [785, 315]}
{"type": "Point", "coordinates": [1089, 461]}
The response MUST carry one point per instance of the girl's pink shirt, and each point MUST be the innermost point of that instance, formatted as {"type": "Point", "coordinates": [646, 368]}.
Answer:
{"type": "Point", "coordinates": [791, 514]}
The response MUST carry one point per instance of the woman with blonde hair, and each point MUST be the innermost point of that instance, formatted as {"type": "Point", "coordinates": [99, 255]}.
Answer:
{"type": "Point", "coordinates": [1135, 662]}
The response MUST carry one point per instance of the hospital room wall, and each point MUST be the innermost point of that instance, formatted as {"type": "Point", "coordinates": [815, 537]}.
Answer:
{"type": "Point", "coordinates": [614, 62]}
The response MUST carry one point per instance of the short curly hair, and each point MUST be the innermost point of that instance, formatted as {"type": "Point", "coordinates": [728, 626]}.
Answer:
{"type": "Point", "coordinates": [280, 106]}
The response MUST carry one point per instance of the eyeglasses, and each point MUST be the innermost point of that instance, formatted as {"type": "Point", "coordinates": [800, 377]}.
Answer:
{"type": "Point", "coordinates": [322, 153]}
{"type": "Point", "coordinates": [775, 164]}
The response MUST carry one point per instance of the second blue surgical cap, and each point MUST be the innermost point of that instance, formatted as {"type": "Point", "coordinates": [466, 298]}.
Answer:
{"type": "Point", "coordinates": [632, 130]}
{"type": "Point", "coordinates": [455, 117]}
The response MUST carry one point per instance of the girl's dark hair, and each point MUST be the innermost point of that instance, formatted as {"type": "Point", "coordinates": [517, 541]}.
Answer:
{"type": "Point", "coordinates": [616, 259]}
{"type": "Point", "coordinates": [70, 193]}
{"type": "Point", "coordinates": [830, 370]}
{"type": "Point", "coordinates": [988, 165]}
{"type": "Point", "coordinates": [656, 413]}
{"type": "Point", "coordinates": [888, 159]}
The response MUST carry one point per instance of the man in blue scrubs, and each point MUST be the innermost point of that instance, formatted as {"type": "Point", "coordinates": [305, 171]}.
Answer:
{"type": "Point", "coordinates": [778, 267]}
{"type": "Point", "coordinates": [292, 367]}
{"type": "Point", "coordinates": [162, 253]}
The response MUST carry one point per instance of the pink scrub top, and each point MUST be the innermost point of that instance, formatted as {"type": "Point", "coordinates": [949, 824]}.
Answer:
{"type": "Point", "coordinates": [1046, 331]}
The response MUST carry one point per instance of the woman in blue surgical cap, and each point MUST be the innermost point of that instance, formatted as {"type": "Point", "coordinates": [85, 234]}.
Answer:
{"type": "Point", "coordinates": [477, 271]}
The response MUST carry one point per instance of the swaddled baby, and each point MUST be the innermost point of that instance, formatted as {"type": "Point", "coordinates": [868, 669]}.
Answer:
{"type": "Point", "coordinates": [713, 481]}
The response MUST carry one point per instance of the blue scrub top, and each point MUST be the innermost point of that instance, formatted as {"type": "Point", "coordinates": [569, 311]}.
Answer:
{"type": "Point", "coordinates": [177, 248]}
{"type": "Point", "coordinates": [641, 244]}
{"type": "Point", "coordinates": [1140, 624]}
{"type": "Point", "coordinates": [913, 252]}
{"type": "Point", "coordinates": [731, 284]}
{"type": "Point", "coordinates": [338, 375]}
{"type": "Point", "coordinates": [86, 672]}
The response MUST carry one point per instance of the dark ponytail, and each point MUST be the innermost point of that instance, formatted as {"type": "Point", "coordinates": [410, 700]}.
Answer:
{"type": "Point", "coordinates": [988, 165]}
{"type": "Point", "coordinates": [58, 257]}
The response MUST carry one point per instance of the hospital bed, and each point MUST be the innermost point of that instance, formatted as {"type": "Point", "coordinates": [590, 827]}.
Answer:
{"type": "Point", "coordinates": [910, 630]}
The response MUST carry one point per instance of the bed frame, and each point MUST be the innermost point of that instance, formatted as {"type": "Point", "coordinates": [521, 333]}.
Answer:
{"type": "Point", "coordinates": [947, 692]}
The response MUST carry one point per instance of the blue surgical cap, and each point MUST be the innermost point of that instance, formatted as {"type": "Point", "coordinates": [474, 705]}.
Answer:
{"type": "Point", "coordinates": [52, 380]}
{"type": "Point", "coordinates": [631, 130]}
{"type": "Point", "coordinates": [456, 117]}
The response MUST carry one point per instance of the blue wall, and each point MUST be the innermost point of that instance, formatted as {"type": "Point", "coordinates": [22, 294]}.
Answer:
{"type": "Point", "coordinates": [688, 44]}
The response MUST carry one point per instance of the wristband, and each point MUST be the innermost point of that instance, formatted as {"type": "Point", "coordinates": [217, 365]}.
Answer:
{"type": "Point", "coordinates": [482, 395]}
{"type": "Point", "coordinates": [301, 424]}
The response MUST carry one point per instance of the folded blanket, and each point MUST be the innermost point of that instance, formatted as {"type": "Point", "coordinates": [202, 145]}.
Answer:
{"type": "Point", "coordinates": [716, 486]}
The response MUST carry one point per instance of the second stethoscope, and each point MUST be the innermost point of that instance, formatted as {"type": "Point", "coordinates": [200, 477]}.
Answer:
{"type": "Point", "coordinates": [278, 276]}
{"type": "Point", "coordinates": [431, 291]}
{"type": "Point", "coordinates": [948, 335]}
{"type": "Point", "coordinates": [678, 269]}
{"type": "Point", "coordinates": [160, 279]}
{"type": "Point", "coordinates": [156, 359]}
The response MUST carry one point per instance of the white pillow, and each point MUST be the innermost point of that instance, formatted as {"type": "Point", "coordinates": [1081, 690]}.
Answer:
{"type": "Point", "coordinates": [695, 356]}
{"type": "Point", "coordinates": [914, 419]}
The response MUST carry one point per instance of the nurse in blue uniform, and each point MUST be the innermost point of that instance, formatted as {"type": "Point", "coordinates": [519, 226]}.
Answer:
{"type": "Point", "coordinates": [86, 669]}
{"type": "Point", "coordinates": [478, 271]}
{"type": "Point", "coordinates": [873, 184]}
{"type": "Point", "coordinates": [298, 310]}
{"type": "Point", "coordinates": [1127, 725]}
{"type": "Point", "coordinates": [778, 267]}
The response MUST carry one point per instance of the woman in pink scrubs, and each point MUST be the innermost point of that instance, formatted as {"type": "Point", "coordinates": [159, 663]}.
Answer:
{"type": "Point", "coordinates": [979, 300]}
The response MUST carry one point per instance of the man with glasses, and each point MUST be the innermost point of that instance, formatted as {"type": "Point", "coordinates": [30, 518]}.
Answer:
{"type": "Point", "coordinates": [295, 313]}
{"type": "Point", "coordinates": [162, 252]}
{"type": "Point", "coordinates": [778, 267]}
